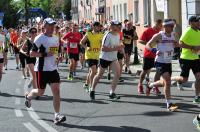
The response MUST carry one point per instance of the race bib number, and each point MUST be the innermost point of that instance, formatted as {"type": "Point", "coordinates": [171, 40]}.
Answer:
{"type": "Point", "coordinates": [127, 41]}
{"type": "Point", "coordinates": [168, 55]}
{"type": "Point", "coordinates": [54, 50]}
{"type": "Point", "coordinates": [73, 45]}
{"type": "Point", "coordinates": [95, 50]}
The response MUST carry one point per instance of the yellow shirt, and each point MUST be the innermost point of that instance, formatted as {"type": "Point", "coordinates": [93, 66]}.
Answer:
{"type": "Point", "coordinates": [95, 45]}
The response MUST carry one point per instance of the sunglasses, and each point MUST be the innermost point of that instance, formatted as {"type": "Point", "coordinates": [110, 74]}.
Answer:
{"type": "Point", "coordinates": [33, 32]}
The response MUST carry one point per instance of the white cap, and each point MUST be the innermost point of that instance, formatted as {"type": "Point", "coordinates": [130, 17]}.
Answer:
{"type": "Point", "coordinates": [24, 31]}
{"type": "Point", "coordinates": [49, 21]}
{"type": "Point", "coordinates": [114, 22]}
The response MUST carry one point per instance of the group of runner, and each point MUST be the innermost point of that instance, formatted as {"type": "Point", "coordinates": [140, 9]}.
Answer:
{"type": "Point", "coordinates": [40, 49]}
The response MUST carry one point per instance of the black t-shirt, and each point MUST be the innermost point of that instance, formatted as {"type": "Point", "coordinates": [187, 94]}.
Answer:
{"type": "Point", "coordinates": [128, 35]}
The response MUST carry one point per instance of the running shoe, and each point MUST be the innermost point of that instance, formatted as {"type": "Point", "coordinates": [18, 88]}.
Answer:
{"type": "Point", "coordinates": [109, 76]}
{"type": "Point", "coordinates": [196, 100]}
{"type": "Point", "coordinates": [180, 86]}
{"type": "Point", "coordinates": [92, 95]}
{"type": "Point", "coordinates": [156, 91]}
{"type": "Point", "coordinates": [27, 101]}
{"type": "Point", "coordinates": [59, 119]}
{"type": "Point", "coordinates": [114, 96]}
{"type": "Point", "coordinates": [70, 77]}
{"type": "Point", "coordinates": [86, 87]}
{"type": "Point", "coordinates": [126, 69]}
{"type": "Point", "coordinates": [129, 72]}
{"type": "Point", "coordinates": [17, 68]}
{"type": "Point", "coordinates": [140, 89]}
{"type": "Point", "coordinates": [121, 80]}
{"type": "Point", "coordinates": [196, 122]}
{"type": "Point", "coordinates": [172, 107]}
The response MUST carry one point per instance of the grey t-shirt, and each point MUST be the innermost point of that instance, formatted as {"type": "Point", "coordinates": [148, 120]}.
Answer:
{"type": "Point", "coordinates": [111, 41]}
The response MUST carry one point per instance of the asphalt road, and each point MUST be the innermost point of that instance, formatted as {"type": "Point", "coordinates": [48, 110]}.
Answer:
{"type": "Point", "coordinates": [132, 113]}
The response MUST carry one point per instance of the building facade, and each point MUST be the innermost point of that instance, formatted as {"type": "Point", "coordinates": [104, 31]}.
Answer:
{"type": "Point", "coordinates": [143, 13]}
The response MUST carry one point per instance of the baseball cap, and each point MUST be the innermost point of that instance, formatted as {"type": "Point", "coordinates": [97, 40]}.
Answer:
{"type": "Point", "coordinates": [24, 31]}
{"type": "Point", "coordinates": [49, 21]}
{"type": "Point", "coordinates": [114, 22]}
{"type": "Point", "coordinates": [193, 19]}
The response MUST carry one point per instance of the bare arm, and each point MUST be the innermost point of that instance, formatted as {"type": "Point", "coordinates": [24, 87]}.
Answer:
{"type": "Point", "coordinates": [83, 41]}
{"type": "Point", "coordinates": [155, 39]}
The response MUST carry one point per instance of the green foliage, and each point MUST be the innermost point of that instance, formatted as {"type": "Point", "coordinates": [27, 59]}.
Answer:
{"type": "Point", "coordinates": [51, 7]}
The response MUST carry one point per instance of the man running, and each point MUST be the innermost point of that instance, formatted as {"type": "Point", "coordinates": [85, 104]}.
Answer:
{"type": "Point", "coordinates": [73, 39]}
{"type": "Point", "coordinates": [129, 35]}
{"type": "Point", "coordinates": [46, 50]}
{"type": "Point", "coordinates": [165, 43]}
{"type": "Point", "coordinates": [92, 52]}
{"type": "Point", "coordinates": [189, 59]}
{"type": "Point", "coordinates": [149, 57]}
{"type": "Point", "coordinates": [108, 57]}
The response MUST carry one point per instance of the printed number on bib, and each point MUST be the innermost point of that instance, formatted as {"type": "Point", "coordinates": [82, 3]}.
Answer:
{"type": "Point", "coordinates": [54, 50]}
{"type": "Point", "coordinates": [73, 45]}
{"type": "Point", "coordinates": [95, 49]}
{"type": "Point", "coordinates": [127, 41]}
{"type": "Point", "coordinates": [167, 55]}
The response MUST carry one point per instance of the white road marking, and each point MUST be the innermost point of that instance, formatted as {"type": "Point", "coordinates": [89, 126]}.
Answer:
{"type": "Point", "coordinates": [30, 127]}
{"type": "Point", "coordinates": [18, 113]}
{"type": "Point", "coordinates": [36, 118]}
{"type": "Point", "coordinates": [17, 101]}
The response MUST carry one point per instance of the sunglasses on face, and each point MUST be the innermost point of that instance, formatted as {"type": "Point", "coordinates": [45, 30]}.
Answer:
{"type": "Point", "coordinates": [33, 32]}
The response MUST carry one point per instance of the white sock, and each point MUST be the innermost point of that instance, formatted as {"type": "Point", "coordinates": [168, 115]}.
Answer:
{"type": "Point", "coordinates": [151, 85]}
{"type": "Point", "coordinates": [111, 92]}
{"type": "Point", "coordinates": [168, 101]}
{"type": "Point", "coordinates": [56, 114]}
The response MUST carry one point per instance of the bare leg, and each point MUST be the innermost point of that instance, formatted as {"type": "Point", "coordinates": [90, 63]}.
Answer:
{"type": "Point", "coordinates": [97, 77]}
{"type": "Point", "coordinates": [55, 88]}
{"type": "Point", "coordinates": [116, 70]}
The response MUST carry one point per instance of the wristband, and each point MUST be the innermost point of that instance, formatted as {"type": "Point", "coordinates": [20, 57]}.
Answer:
{"type": "Point", "coordinates": [154, 50]}
{"type": "Point", "coordinates": [44, 54]}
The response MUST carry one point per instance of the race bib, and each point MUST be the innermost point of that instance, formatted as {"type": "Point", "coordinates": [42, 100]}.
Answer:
{"type": "Point", "coordinates": [168, 55]}
{"type": "Point", "coordinates": [54, 50]}
{"type": "Point", "coordinates": [95, 50]}
{"type": "Point", "coordinates": [73, 45]}
{"type": "Point", "coordinates": [127, 41]}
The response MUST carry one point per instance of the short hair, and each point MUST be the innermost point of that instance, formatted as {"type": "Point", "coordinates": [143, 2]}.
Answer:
{"type": "Point", "coordinates": [31, 29]}
{"type": "Point", "coordinates": [159, 21]}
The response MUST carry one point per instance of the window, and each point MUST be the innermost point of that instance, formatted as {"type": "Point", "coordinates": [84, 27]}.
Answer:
{"type": "Point", "coordinates": [114, 12]}
{"type": "Point", "coordinates": [117, 16]}
{"type": "Point", "coordinates": [136, 13]}
{"type": "Point", "coordinates": [125, 11]}
{"type": "Point", "coordinates": [120, 12]}
{"type": "Point", "coordinates": [147, 11]}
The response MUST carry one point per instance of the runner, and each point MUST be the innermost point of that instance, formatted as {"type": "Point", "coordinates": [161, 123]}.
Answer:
{"type": "Point", "coordinates": [108, 57]}
{"type": "Point", "coordinates": [26, 49]}
{"type": "Point", "coordinates": [2, 47]}
{"type": "Point", "coordinates": [149, 58]}
{"type": "Point", "coordinates": [129, 35]}
{"type": "Point", "coordinates": [22, 55]}
{"type": "Point", "coordinates": [165, 43]}
{"type": "Point", "coordinates": [189, 59]}
{"type": "Point", "coordinates": [14, 37]}
{"type": "Point", "coordinates": [46, 51]}
{"type": "Point", "coordinates": [92, 52]}
{"type": "Point", "coordinates": [73, 39]}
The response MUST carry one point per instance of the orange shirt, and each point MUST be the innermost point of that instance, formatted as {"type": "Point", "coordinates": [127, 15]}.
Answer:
{"type": "Point", "coordinates": [14, 38]}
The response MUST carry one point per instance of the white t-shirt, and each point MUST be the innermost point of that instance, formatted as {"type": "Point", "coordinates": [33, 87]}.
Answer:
{"type": "Point", "coordinates": [2, 41]}
{"type": "Point", "coordinates": [46, 44]}
{"type": "Point", "coordinates": [111, 41]}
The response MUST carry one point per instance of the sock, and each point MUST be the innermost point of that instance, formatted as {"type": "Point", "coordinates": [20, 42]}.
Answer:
{"type": "Point", "coordinates": [168, 101]}
{"type": "Point", "coordinates": [111, 92]}
{"type": "Point", "coordinates": [56, 114]}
